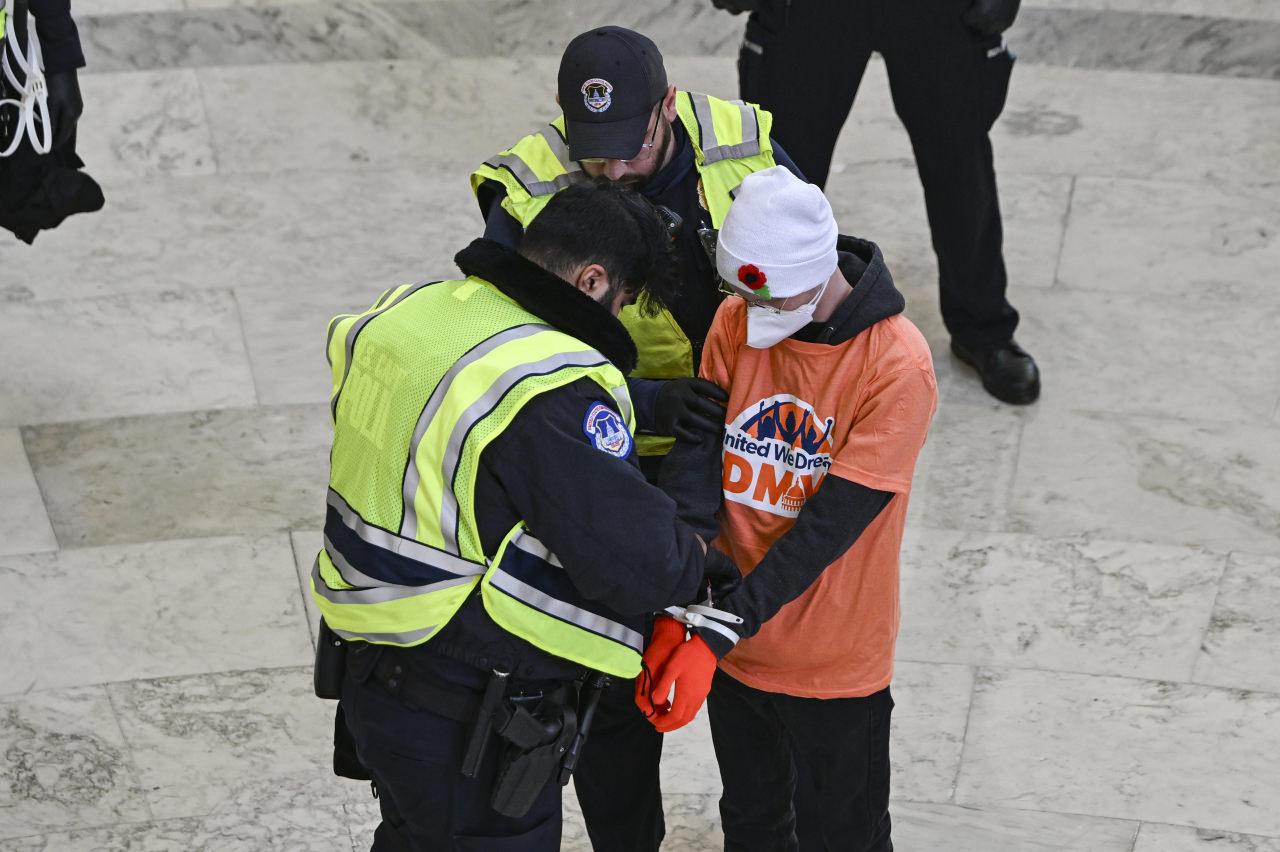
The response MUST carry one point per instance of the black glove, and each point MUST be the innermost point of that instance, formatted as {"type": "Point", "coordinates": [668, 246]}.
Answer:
{"type": "Point", "coordinates": [65, 105]}
{"type": "Point", "coordinates": [735, 7]}
{"type": "Point", "coordinates": [720, 575]}
{"type": "Point", "coordinates": [687, 407]}
{"type": "Point", "coordinates": [991, 17]}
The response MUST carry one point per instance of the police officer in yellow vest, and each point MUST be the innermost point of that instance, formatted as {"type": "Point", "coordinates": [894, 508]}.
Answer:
{"type": "Point", "coordinates": [491, 547]}
{"type": "Point", "coordinates": [686, 152]}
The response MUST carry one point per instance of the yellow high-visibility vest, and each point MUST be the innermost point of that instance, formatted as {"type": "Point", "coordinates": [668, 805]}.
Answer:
{"type": "Point", "coordinates": [730, 141]}
{"type": "Point", "coordinates": [422, 382]}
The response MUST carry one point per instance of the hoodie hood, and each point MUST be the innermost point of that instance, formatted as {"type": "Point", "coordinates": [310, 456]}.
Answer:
{"type": "Point", "coordinates": [874, 297]}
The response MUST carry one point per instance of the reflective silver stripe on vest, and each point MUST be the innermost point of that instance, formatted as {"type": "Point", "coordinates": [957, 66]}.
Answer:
{"type": "Point", "coordinates": [379, 594]}
{"type": "Point", "coordinates": [532, 184]}
{"type": "Point", "coordinates": [480, 409]}
{"type": "Point", "coordinates": [409, 549]}
{"type": "Point", "coordinates": [566, 612]}
{"type": "Point", "coordinates": [623, 397]}
{"type": "Point", "coordinates": [712, 150]}
{"type": "Point", "coordinates": [356, 327]}
{"type": "Point", "coordinates": [534, 547]}
{"type": "Point", "coordinates": [393, 638]}
{"type": "Point", "coordinates": [409, 526]}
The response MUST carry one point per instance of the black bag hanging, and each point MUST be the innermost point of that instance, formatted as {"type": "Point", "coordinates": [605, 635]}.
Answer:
{"type": "Point", "coordinates": [40, 186]}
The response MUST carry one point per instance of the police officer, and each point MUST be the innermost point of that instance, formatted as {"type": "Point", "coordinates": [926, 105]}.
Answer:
{"type": "Point", "coordinates": [687, 152]}
{"type": "Point", "coordinates": [489, 538]}
{"type": "Point", "coordinates": [948, 70]}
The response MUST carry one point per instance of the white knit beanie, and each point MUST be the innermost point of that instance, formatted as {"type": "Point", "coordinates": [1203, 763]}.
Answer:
{"type": "Point", "coordinates": [779, 238]}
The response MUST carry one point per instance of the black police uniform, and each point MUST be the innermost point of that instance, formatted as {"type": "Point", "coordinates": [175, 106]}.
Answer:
{"type": "Point", "coordinates": [803, 62]}
{"type": "Point", "coordinates": [619, 540]}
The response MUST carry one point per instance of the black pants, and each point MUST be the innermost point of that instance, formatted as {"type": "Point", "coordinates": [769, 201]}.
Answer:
{"type": "Point", "coordinates": [415, 759]}
{"type": "Point", "coordinates": [840, 744]}
{"type": "Point", "coordinates": [617, 776]}
{"type": "Point", "coordinates": [803, 60]}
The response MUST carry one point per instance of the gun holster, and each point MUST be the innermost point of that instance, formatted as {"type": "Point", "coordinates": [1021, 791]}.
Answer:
{"type": "Point", "coordinates": [534, 745]}
{"type": "Point", "coordinates": [331, 663]}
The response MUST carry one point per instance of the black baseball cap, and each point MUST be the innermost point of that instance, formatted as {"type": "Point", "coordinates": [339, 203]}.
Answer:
{"type": "Point", "coordinates": [610, 80]}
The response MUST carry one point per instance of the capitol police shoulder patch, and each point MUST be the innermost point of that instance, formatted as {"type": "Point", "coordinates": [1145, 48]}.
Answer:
{"type": "Point", "coordinates": [604, 427]}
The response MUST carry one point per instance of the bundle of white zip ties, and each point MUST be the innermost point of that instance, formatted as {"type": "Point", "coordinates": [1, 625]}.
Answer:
{"type": "Point", "coordinates": [32, 103]}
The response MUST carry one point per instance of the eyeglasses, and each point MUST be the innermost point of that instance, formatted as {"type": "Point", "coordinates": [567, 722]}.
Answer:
{"type": "Point", "coordinates": [644, 146]}
{"type": "Point", "coordinates": [729, 290]}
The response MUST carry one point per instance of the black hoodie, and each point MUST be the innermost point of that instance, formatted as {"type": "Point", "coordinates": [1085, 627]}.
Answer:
{"type": "Point", "coordinates": [836, 515]}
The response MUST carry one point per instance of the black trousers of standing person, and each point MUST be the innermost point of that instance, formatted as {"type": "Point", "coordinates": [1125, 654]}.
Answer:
{"type": "Point", "coordinates": [803, 60]}
{"type": "Point", "coordinates": [617, 776]}
{"type": "Point", "coordinates": [842, 747]}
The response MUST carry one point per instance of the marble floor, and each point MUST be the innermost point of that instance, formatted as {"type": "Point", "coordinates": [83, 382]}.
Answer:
{"type": "Point", "coordinates": [1090, 647]}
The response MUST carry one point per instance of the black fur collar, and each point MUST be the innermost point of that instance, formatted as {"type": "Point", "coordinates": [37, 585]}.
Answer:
{"type": "Point", "coordinates": [551, 298]}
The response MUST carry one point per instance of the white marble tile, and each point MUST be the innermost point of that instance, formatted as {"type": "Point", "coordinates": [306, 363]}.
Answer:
{"type": "Point", "coordinates": [314, 829]}
{"type": "Point", "coordinates": [235, 471]}
{"type": "Point", "coordinates": [1148, 41]}
{"type": "Point", "coordinates": [1260, 10]}
{"type": "Point", "coordinates": [65, 765]}
{"type": "Point", "coordinates": [142, 123]}
{"type": "Point", "coordinates": [297, 246]}
{"type": "Point", "coordinates": [1123, 748]}
{"type": "Point", "coordinates": [227, 743]}
{"type": "Point", "coordinates": [883, 202]}
{"type": "Point", "coordinates": [1069, 604]}
{"type": "Point", "coordinates": [964, 829]}
{"type": "Point", "coordinates": [173, 623]}
{"type": "Point", "coordinates": [1240, 648]}
{"type": "Point", "coordinates": [931, 706]}
{"type": "Point", "coordinates": [25, 525]}
{"type": "Point", "coordinates": [1103, 123]}
{"type": "Point", "coordinates": [1154, 237]}
{"type": "Point", "coordinates": [1143, 479]}
{"type": "Point", "coordinates": [362, 821]}
{"type": "Point", "coordinates": [447, 115]}
{"type": "Point", "coordinates": [1191, 352]}
{"type": "Point", "coordinates": [965, 472]}
{"type": "Point", "coordinates": [123, 355]}
{"type": "Point", "coordinates": [253, 34]}
{"type": "Point", "coordinates": [1176, 838]}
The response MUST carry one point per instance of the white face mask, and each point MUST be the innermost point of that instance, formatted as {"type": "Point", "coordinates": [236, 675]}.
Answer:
{"type": "Point", "coordinates": [766, 327]}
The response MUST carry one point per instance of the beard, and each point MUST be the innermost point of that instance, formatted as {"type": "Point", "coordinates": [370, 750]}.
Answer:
{"type": "Point", "coordinates": [638, 182]}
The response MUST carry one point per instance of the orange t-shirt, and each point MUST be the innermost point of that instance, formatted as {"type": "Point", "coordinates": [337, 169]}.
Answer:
{"type": "Point", "coordinates": [858, 409]}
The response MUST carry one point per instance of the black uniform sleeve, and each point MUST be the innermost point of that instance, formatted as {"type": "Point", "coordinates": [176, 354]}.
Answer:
{"type": "Point", "coordinates": [692, 476]}
{"type": "Point", "coordinates": [59, 39]}
{"type": "Point", "coordinates": [828, 525]}
{"type": "Point", "coordinates": [499, 225]}
{"type": "Point", "coordinates": [617, 536]}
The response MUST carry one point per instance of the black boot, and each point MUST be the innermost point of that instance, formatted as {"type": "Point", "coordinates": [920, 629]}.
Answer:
{"type": "Point", "coordinates": [1008, 372]}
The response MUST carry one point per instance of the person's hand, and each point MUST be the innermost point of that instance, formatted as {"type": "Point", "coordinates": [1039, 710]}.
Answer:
{"type": "Point", "coordinates": [735, 7]}
{"type": "Point", "coordinates": [687, 407]}
{"type": "Point", "coordinates": [65, 105]}
{"type": "Point", "coordinates": [991, 17]}
{"type": "Point", "coordinates": [689, 670]}
{"type": "Point", "coordinates": [668, 634]}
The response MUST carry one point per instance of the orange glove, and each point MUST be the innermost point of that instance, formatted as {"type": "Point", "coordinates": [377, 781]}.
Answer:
{"type": "Point", "coordinates": [689, 670]}
{"type": "Point", "coordinates": [668, 634]}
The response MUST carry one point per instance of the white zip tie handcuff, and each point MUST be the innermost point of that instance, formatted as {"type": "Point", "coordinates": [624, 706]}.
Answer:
{"type": "Point", "coordinates": [705, 615]}
{"type": "Point", "coordinates": [33, 105]}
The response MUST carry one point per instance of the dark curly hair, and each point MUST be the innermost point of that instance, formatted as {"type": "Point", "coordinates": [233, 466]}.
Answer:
{"type": "Point", "coordinates": [604, 222]}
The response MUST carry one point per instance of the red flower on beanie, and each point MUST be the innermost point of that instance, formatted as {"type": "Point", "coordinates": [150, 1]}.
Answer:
{"type": "Point", "coordinates": [750, 274]}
